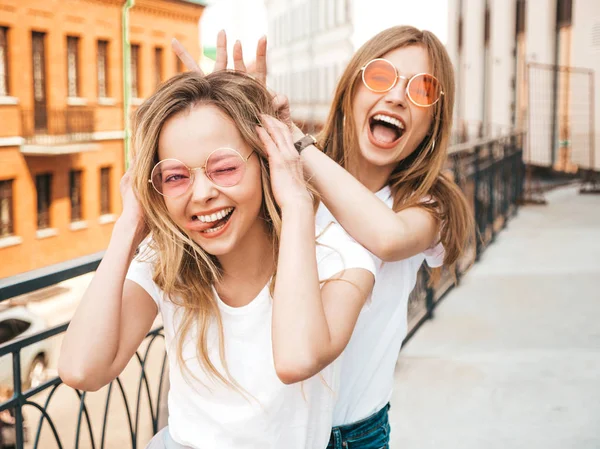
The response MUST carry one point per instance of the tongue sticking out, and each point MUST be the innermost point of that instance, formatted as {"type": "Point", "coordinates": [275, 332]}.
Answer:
{"type": "Point", "coordinates": [384, 133]}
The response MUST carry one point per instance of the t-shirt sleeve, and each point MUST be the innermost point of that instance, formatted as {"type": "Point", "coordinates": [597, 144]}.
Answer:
{"type": "Point", "coordinates": [434, 256]}
{"type": "Point", "coordinates": [141, 272]}
{"type": "Point", "coordinates": [337, 251]}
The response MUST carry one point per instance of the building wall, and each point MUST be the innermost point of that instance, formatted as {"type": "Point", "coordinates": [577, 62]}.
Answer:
{"type": "Point", "coordinates": [309, 45]}
{"type": "Point", "coordinates": [502, 65]}
{"type": "Point", "coordinates": [153, 23]}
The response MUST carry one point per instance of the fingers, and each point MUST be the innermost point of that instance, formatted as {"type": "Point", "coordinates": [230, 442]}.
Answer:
{"type": "Point", "coordinates": [269, 145]}
{"type": "Point", "coordinates": [185, 57]}
{"type": "Point", "coordinates": [280, 134]}
{"type": "Point", "coordinates": [221, 63]}
{"type": "Point", "coordinates": [261, 60]}
{"type": "Point", "coordinates": [282, 107]}
{"type": "Point", "coordinates": [238, 57]}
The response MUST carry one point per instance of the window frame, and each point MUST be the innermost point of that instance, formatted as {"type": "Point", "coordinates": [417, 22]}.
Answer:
{"type": "Point", "coordinates": [76, 187]}
{"type": "Point", "coordinates": [4, 69]}
{"type": "Point", "coordinates": [73, 46]}
{"type": "Point", "coordinates": [103, 88]}
{"type": "Point", "coordinates": [105, 203]}
{"type": "Point", "coordinates": [7, 229]}
{"type": "Point", "coordinates": [43, 213]}
{"type": "Point", "coordinates": [135, 70]}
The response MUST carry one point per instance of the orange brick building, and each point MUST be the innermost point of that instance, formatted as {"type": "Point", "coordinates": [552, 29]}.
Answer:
{"type": "Point", "coordinates": [61, 117]}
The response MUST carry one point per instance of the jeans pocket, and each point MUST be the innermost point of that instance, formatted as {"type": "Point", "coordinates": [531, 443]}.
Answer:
{"type": "Point", "coordinates": [375, 438]}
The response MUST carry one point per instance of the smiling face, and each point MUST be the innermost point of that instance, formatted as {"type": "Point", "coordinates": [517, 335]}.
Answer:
{"type": "Point", "coordinates": [390, 127]}
{"type": "Point", "coordinates": [219, 219]}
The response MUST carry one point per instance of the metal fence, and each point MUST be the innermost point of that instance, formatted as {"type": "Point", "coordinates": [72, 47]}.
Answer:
{"type": "Point", "coordinates": [490, 172]}
{"type": "Point", "coordinates": [562, 137]}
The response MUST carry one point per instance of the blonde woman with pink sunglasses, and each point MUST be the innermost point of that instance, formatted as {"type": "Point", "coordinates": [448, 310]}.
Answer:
{"type": "Point", "coordinates": [256, 303]}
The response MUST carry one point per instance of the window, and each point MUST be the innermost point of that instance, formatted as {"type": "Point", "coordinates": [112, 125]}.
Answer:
{"type": "Point", "coordinates": [72, 66]}
{"type": "Point", "coordinates": [158, 65]}
{"type": "Point", "coordinates": [105, 191]}
{"type": "Point", "coordinates": [135, 66]}
{"type": "Point", "coordinates": [102, 63]}
{"type": "Point", "coordinates": [75, 192]}
{"type": "Point", "coordinates": [3, 61]}
{"type": "Point", "coordinates": [43, 184]}
{"type": "Point", "coordinates": [564, 13]}
{"type": "Point", "coordinates": [6, 208]}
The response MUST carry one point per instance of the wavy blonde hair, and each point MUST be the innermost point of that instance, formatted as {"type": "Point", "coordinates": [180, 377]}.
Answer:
{"type": "Point", "coordinates": [182, 269]}
{"type": "Point", "coordinates": [419, 175]}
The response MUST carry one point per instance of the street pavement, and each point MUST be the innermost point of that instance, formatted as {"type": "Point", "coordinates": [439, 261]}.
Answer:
{"type": "Point", "coordinates": [511, 359]}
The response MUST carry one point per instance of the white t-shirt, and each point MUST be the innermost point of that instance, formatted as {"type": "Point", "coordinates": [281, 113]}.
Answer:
{"type": "Point", "coordinates": [367, 368]}
{"type": "Point", "coordinates": [210, 415]}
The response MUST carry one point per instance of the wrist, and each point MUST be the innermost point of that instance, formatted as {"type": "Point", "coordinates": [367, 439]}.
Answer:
{"type": "Point", "coordinates": [131, 229]}
{"type": "Point", "coordinates": [301, 206]}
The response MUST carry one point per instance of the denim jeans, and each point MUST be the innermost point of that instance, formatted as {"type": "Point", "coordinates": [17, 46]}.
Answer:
{"type": "Point", "coordinates": [370, 433]}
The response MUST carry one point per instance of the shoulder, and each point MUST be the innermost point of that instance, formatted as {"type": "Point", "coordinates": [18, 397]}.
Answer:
{"type": "Point", "coordinates": [337, 251]}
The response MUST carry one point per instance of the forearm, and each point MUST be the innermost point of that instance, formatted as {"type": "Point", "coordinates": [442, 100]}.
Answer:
{"type": "Point", "coordinates": [364, 216]}
{"type": "Point", "coordinates": [92, 340]}
{"type": "Point", "coordinates": [300, 328]}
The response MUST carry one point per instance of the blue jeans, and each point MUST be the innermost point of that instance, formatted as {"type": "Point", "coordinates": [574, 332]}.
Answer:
{"type": "Point", "coordinates": [369, 433]}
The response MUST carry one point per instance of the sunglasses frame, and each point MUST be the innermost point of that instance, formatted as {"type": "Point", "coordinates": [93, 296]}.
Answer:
{"type": "Point", "coordinates": [203, 168]}
{"type": "Point", "coordinates": [398, 76]}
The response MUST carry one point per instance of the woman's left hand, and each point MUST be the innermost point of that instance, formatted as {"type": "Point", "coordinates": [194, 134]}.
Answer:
{"type": "Point", "coordinates": [287, 176]}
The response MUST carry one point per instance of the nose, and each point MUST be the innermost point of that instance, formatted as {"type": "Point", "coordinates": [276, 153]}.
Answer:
{"type": "Point", "coordinates": [203, 190]}
{"type": "Point", "coordinates": [397, 94]}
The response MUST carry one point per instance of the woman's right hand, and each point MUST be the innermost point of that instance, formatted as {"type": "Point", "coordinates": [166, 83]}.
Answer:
{"type": "Point", "coordinates": [132, 216]}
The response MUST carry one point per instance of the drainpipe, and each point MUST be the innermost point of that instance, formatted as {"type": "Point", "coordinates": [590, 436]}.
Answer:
{"type": "Point", "coordinates": [126, 77]}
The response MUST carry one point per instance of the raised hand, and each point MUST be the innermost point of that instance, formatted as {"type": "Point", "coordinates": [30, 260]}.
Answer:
{"type": "Point", "coordinates": [221, 62]}
{"type": "Point", "coordinates": [287, 176]}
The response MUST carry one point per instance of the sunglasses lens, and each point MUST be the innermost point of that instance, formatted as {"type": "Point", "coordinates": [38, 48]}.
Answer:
{"type": "Point", "coordinates": [171, 177]}
{"type": "Point", "coordinates": [424, 90]}
{"type": "Point", "coordinates": [225, 167]}
{"type": "Point", "coordinates": [379, 75]}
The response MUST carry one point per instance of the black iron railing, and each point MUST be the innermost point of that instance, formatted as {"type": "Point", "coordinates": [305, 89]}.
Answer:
{"type": "Point", "coordinates": [490, 172]}
{"type": "Point", "coordinates": [57, 126]}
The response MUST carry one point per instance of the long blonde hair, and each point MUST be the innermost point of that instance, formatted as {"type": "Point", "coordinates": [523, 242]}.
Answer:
{"type": "Point", "coordinates": [419, 175]}
{"type": "Point", "coordinates": [182, 269]}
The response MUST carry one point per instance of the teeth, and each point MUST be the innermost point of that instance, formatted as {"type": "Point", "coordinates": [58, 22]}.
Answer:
{"type": "Point", "coordinates": [214, 217]}
{"type": "Point", "coordinates": [208, 231]}
{"type": "Point", "coordinates": [391, 120]}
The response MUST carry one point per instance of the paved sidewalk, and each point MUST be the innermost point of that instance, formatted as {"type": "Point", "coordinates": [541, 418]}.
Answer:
{"type": "Point", "coordinates": [512, 357]}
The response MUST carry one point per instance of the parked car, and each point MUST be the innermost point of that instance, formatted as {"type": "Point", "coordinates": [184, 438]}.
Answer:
{"type": "Point", "coordinates": [19, 322]}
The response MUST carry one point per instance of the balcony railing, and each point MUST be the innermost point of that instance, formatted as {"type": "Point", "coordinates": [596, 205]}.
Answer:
{"type": "Point", "coordinates": [490, 172]}
{"type": "Point", "coordinates": [57, 126]}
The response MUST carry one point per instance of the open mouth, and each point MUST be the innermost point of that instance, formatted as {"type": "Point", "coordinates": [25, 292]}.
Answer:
{"type": "Point", "coordinates": [386, 131]}
{"type": "Point", "coordinates": [217, 220]}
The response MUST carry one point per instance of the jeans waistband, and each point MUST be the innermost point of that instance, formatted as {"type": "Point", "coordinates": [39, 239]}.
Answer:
{"type": "Point", "coordinates": [360, 427]}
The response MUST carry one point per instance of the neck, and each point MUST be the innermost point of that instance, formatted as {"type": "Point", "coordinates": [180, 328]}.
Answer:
{"type": "Point", "coordinates": [373, 177]}
{"type": "Point", "coordinates": [247, 269]}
